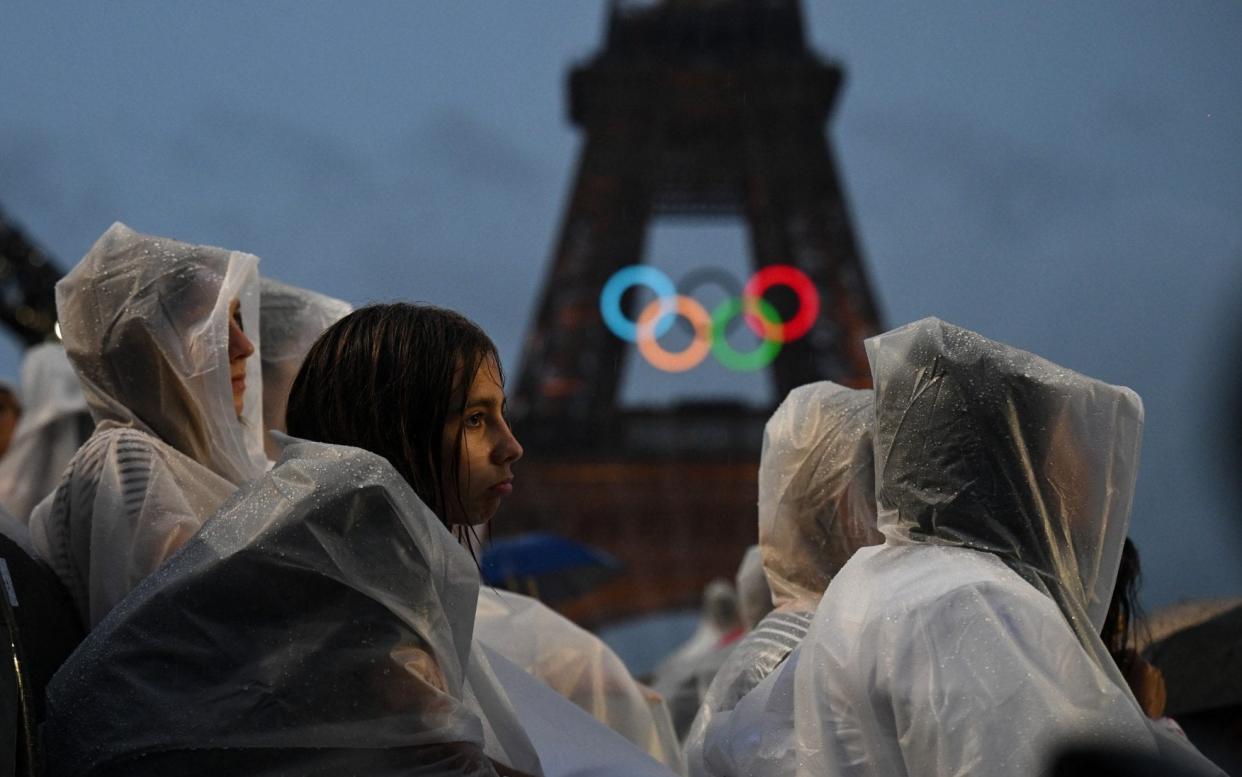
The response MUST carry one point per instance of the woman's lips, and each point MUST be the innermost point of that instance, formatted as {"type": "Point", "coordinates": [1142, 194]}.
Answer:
{"type": "Point", "coordinates": [504, 488]}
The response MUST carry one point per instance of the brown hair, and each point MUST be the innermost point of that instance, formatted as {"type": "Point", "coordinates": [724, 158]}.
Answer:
{"type": "Point", "coordinates": [385, 378]}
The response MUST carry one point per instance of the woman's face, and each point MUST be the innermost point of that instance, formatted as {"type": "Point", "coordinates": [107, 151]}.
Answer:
{"type": "Point", "coordinates": [240, 349]}
{"type": "Point", "coordinates": [488, 449]}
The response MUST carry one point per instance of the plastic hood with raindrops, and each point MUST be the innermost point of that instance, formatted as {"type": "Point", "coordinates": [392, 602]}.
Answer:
{"type": "Point", "coordinates": [145, 322]}
{"type": "Point", "coordinates": [984, 446]}
{"type": "Point", "coordinates": [291, 319]}
{"type": "Point", "coordinates": [816, 489]}
{"type": "Point", "coordinates": [968, 642]}
{"type": "Point", "coordinates": [816, 509]}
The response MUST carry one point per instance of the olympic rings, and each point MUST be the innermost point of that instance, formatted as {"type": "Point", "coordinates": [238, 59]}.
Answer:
{"type": "Point", "coordinates": [658, 316]}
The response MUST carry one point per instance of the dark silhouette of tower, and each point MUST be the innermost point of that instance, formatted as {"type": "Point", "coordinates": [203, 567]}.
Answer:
{"type": "Point", "coordinates": [712, 108]}
{"type": "Point", "coordinates": [695, 107]}
{"type": "Point", "coordinates": [27, 285]}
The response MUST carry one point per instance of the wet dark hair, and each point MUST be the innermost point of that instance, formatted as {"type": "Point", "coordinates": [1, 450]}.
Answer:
{"type": "Point", "coordinates": [1124, 613]}
{"type": "Point", "coordinates": [385, 378]}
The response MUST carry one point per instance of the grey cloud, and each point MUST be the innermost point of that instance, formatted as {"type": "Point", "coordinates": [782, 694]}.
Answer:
{"type": "Point", "coordinates": [1015, 189]}
{"type": "Point", "coordinates": [470, 148]}
{"type": "Point", "coordinates": [69, 192]}
{"type": "Point", "coordinates": [1133, 112]}
{"type": "Point", "coordinates": [301, 159]}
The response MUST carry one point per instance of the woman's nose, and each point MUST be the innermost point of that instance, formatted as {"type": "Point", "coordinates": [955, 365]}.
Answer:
{"type": "Point", "coordinates": [508, 449]}
{"type": "Point", "coordinates": [240, 346]}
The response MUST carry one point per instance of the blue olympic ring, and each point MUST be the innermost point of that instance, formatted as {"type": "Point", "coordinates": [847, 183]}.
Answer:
{"type": "Point", "coordinates": [619, 283]}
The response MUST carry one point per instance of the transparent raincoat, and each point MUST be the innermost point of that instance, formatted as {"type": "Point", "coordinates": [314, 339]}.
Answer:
{"type": "Point", "coordinates": [816, 508]}
{"type": "Point", "coordinates": [968, 643]}
{"type": "Point", "coordinates": [319, 624]}
{"type": "Point", "coordinates": [754, 596]}
{"type": "Point", "coordinates": [290, 319]}
{"type": "Point", "coordinates": [579, 666]}
{"type": "Point", "coordinates": [55, 422]}
{"type": "Point", "coordinates": [145, 322]}
{"type": "Point", "coordinates": [683, 678]}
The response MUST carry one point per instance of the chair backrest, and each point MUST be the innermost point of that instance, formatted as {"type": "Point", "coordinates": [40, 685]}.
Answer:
{"type": "Point", "coordinates": [39, 628]}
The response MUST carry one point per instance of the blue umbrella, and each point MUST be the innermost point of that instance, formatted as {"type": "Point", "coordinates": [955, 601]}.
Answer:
{"type": "Point", "coordinates": [547, 566]}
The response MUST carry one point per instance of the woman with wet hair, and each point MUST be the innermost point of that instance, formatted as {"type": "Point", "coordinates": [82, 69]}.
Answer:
{"type": "Point", "coordinates": [422, 387]}
{"type": "Point", "coordinates": [321, 622]}
{"type": "Point", "coordinates": [160, 334]}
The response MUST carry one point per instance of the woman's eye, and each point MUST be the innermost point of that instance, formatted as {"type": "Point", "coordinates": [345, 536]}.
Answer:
{"type": "Point", "coordinates": [474, 421]}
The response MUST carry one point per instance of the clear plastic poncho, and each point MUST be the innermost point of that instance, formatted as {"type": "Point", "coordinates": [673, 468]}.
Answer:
{"type": "Point", "coordinates": [816, 508]}
{"type": "Point", "coordinates": [577, 665]}
{"type": "Point", "coordinates": [145, 322]}
{"type": "Point", "coordinates": [967, 643]}
{"type": "Point", "coordinates": [55, 422]}
{"type": "Point", "coordinates": [684, 676]}
{"type": "Point", "coordinates": [754, 595]}
{"type": "Point", "coordinates": [320, 623]}
{"type": "Point", "coordinates": [291, 319]}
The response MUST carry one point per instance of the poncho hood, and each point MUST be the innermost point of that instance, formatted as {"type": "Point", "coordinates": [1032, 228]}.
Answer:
{"type": "Point", "coordinates": [291, 320]}
{"type": "Point", "coordinates": [145, 322]}
{"type": "Point", "coordinates": [984, 446]}
{"type": "Point", "coordinates": [816, 489]}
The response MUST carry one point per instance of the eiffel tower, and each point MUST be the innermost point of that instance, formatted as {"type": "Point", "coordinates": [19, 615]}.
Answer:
{"type": "Point", "coordinates": [693, 108]}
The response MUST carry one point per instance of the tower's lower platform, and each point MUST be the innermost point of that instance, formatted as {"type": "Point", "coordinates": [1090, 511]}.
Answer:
{"type": "Point", "coordinates": [675, 521]}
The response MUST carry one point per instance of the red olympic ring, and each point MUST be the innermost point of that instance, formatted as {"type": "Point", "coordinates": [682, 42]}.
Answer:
{"type": "Point", "coordinates": [795, 279]}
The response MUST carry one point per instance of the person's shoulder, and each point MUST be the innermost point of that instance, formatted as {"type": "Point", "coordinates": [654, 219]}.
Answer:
{"type": "Point", "coordinates": [132, 446]}
{"type": "Point", "coordinates": [336, 485]}
{"type": "Point", "coordinates": [328, 468]}
{"type": "Point", "coordinates": [936, 581]}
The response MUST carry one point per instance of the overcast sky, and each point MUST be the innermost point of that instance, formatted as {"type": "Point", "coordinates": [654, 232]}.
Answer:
{"type": "Point", "coordinates": [1063, 176]}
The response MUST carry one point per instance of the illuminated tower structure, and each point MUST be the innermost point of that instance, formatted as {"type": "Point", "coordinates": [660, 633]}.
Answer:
{"type": "Point", "coordinates": [694, 108]}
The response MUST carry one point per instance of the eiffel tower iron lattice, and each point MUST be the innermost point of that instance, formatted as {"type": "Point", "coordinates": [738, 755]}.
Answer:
{"type": "Point", "coordinates": [27, 286]}
{"type": "Point", "coordinates": [693, 108]}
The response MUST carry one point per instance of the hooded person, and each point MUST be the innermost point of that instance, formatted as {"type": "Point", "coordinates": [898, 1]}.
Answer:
{"type": "Point", "coordinates": [968, 643]}
{"type": "Point", "coordinates": [754, 595]}
{"type": "Point", "coordinates": [579, 666]}
{"type": "Point", "coordinates": [683, 677]}
{"type": "Point", "coordinates": [156, 331]}
{"type": "Point", "coordinates": [290, 319]}
{"type": "Point", "coordinates": [816, 509]}
{"type": "Point", "coordinates": [54, 424]}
